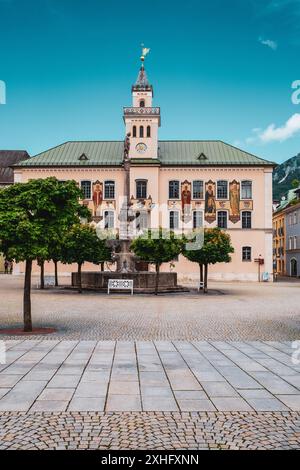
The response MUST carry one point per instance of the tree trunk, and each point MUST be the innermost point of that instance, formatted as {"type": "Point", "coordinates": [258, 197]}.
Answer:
{"type": "Point", "coordinates": [201, 275]}
{"type": "Point", "coordinates": [156, 278]}
{"type": "Point", "coordinates": [55, 273]}
{"type": "Point", "coordinates": [26, 297]}
{"type": "Point", "coordinates": [205, 278]}
{"type": "Point", "coordinates": [79, 278]}
{"type": "Point", "coordinates": [102, 267]}
{"type": "Point", "coordinates": [42, 279]}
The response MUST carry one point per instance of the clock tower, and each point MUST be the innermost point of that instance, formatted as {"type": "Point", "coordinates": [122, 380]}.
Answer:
{"type": "Point", "coordinates": [142, 120]}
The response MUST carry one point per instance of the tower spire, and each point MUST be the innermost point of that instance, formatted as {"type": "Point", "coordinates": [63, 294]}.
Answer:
{"type": "Point", "coordinates": [142, 82]}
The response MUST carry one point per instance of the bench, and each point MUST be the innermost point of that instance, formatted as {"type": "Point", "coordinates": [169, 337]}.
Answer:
{"type": "Point", "coordinates": [201, 286]}
{"type": "Point", "coordinates": [49, 281]}
{"type": "Point", "coordinates": [120, 284]}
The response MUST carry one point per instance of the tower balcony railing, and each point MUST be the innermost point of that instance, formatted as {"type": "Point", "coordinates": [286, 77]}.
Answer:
{"type": "Point", "coordinates": [142, 111]}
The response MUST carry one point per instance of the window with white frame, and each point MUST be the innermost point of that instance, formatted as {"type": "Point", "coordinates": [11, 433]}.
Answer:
{"type": "Point", "coordinates": [109, 219]}
{"type": "Point", "coordinates": [222, 219]}
{"type": "Point", "coordinates": [290, 243]}
{"type": "Point", "coordinates": [295, 243]}
{"type": "Point", "coordinates": [197, 219]}
{"type": "Point", "coordinates": [222, 189]}
{"type": "Point", "coordinates": [86, 189]}
{"type": "Point", "coordinates": [141, 189]}
{"type": "Point", "coordinates": [246, 189]}
{"type": "Point", "coordinates": [174, 220]}
{"type": "Point", "coordinates": [109, 189]}
{"type": "Point", "coordinates": [197, 189]}
{"type": "Point", "coordinates": [174, 189]}
{"type": "Point", "coordinates": [295, 218]}
{"type": "Point", "coordinates": [246, 219]}
{"type": "Point", "coordinates": [141, 221]}
{"type": "Point", "coordinates": [246, 253]}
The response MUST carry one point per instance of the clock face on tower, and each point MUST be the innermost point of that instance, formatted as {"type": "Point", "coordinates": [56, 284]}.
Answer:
{"type": "Point", "coordinates": [141, 147]}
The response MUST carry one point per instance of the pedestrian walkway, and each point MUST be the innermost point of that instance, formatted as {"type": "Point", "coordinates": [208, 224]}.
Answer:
{"type": "Point", "coordinates": [159, 376]}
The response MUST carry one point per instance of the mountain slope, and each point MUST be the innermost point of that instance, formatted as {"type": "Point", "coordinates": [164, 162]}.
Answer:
{"type": "Point", "coordinates": [284, 175]}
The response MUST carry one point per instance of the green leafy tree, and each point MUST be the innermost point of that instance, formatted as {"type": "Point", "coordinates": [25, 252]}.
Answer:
{"type": "Point", "coordinates": [32, 215]}
{"type": "Point", "coordinates": [82, 244]}
{"type": "Point", "coordinates": [157, 247]}
{"type": "Point", "coordinates": [216, 249]}
{"type": "Point", "coordinates": [295, 183]}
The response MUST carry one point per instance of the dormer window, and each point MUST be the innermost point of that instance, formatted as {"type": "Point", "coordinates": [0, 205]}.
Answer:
{"type": "Point", "coordinates": [202, 157]}
{"type": "Point", "coordinates": [83, 157]}
{"type": "Point", "coordinates": [142, 103]}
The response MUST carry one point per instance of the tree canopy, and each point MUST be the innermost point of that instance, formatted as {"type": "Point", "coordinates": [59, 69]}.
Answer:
{"type": "Point", "coordinates": [82, 244]}
{"type": "Point", "coordinates": [157, 247]}
{"type": "Point", "coordinates": [216, 249]}
{"type": "Point", "coordinates": [33, 216]}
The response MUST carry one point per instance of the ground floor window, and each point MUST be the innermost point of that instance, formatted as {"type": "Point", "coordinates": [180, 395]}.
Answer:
{"type": "Point", "coordinates": [174, 220]}
{"type": "Point", "coordinates": [109, 219]}
{"type": "Point", "coordinates": [141, 221]}
{"type": "Point", "coordinates": [197, 219]}
{"type": "Point", "coordinates": [246, 253]}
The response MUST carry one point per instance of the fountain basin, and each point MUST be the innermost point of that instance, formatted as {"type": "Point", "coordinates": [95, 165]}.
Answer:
{"type": "Point", "coordinates": [143, 281]}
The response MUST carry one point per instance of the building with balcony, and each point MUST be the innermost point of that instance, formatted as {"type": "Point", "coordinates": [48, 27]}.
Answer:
{"type": "Point", "coordinates": [174, 184]}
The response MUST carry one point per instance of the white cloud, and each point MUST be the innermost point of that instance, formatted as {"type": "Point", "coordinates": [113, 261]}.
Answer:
{"type": "Point", "coordinates": [269, 43]}
{"type": "Point", "coordinates": [280, 134]}
{"type": "Point", "coordinates": [275, 134]}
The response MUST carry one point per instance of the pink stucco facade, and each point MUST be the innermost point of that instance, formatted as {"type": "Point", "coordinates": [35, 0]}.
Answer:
{"type": "Point", "coordinates": [144, 146]}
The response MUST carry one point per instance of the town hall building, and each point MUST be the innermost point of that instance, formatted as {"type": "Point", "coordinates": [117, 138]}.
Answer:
{"type": "Point", "coordinates": [220, 184]}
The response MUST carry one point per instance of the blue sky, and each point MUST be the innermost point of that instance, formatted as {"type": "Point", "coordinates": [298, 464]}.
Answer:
{"type": "Point", "coordinates": [221, 69]}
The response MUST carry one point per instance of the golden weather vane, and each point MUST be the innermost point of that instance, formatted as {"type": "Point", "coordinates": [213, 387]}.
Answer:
{"type": "Point", "coordinates": [145, 51]}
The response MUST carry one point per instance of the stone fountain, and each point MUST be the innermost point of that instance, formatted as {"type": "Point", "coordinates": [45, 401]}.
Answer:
{"type": "Point", "coordinates": [143, 281]}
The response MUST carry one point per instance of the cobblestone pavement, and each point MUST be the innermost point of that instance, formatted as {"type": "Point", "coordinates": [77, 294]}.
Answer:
{"type": "Point", "coordinates": [245, 312]}
{"type": "Point", "coordinates": [110, 376]}
{"type": "Point", "coordinates": [151, 430]}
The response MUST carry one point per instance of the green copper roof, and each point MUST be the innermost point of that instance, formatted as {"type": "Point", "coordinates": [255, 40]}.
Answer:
{"type": "Point", "coordinates": [171, 153]}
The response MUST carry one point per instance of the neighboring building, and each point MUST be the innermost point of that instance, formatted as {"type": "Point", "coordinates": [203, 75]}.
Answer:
{"type": "Point", "coordinates": [7, 159]}
{"type": "Point", "coordinates": [279, 242]}
{"type": "Point", "coordinates": [220, 184]}
{"type": "Point", "coordinates": [292, 217]}
{"type": "Point", "coordinates": [286, 235]}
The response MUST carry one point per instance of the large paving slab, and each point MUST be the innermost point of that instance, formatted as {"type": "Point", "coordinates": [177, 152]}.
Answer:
{"type": "Point", "coordinates": [154, 376]}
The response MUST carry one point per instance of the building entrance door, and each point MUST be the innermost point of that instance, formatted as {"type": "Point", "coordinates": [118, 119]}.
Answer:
{"type": "Point", "coordinates": [294, 267]}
